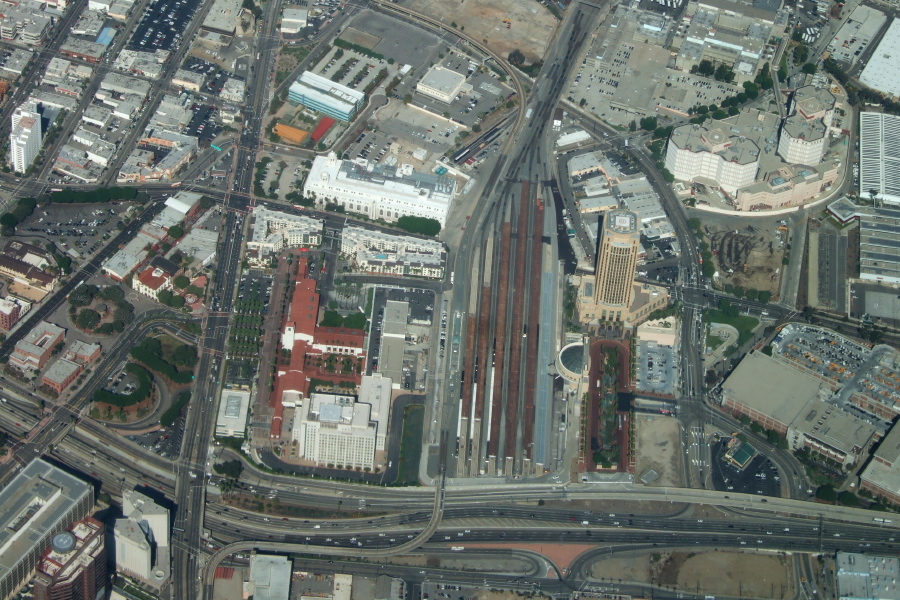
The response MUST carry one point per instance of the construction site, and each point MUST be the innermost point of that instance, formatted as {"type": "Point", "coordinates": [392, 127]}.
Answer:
{"type": "Point", "coordinates": [750, 257]}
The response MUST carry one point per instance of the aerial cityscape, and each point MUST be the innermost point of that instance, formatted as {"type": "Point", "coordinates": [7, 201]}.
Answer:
{"type": "Point", "coordinates": [449, 299]}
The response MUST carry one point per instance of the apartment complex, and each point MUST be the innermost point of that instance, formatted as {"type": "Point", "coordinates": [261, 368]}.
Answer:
{"type": "Point", "coordinates": [323, 95]}
{"type": "Point", "coordinates": [380, 192]}
{"type": "Point", "coordinates": [40, 502]}
{"type": "Point", "coordinates": [9, 314]}
{"type": "Point", "coordinates": [714, 154]}
{"type": "Point", "coordinates": [373, 251]}
{"type": "Point", "coordinates": [272, 231]}
{"type": "Point", "coordinates": [25, 137]}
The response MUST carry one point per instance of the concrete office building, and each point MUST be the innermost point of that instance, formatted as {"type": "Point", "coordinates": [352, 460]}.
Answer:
{"type": "Point", "coordinates": [804, 134]}
{"type": "Point", "coordinates": [40, 502]}
{"type": "Point", "coordinates": [74, 567]}
{"type": "Point", "coordinates": [441, 84]}
{"type": "Point", "coordinates": [323, 95]}
{"type": "Point", "coordinates": [25, 137]}
{"type": "Point", "coordinates": [375, 390]}
{"type": "Point", "coordinates": [879, 156]}
{"type": "Point", "coordinates": [336, 430]}
{"type": "Point", "coordinates": [380, 192]}
{"type": "Point", "coordinates": [142, 539]}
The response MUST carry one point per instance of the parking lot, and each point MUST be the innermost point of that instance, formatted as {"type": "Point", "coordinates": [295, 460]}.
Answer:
{"type": "Point", "coordinates": [421, 309]}
{"type": "Point", "coordinates": [204, 123]}
{"type": "Point", "coordinates": [656, 368]}
{"type": "Point", "coordinates": [406, 44]}
{"type": "Point", "coordinates": [760, 477]}
{"type": "Point", "coordinates": [164, 442]}
{"type": "Point", "coordinates": [162, 25]}
{"type": "Point", "coordinates": [78, 229]}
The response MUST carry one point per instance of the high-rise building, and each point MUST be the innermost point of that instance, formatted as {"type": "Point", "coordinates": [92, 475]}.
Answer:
{"type": "Point", "coordinates": [38, 503]}
{"type": "Point", "coordinates": [612, 294]}
{"type": "Point", "coordinates": [74, 566]}
{"type": "Point", "coordinates": [142, 539]}
{"type": "Point", "coordinates": [25, 137]}
{"type": "Point", "coordinates": [620, 243]}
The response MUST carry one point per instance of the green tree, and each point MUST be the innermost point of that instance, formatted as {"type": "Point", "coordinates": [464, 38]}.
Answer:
{"type": "Point", "coordinates": [176, 301]}
{"type": "Point", "coordinates": [112, 293]}
{"type": "Point", "coordinates": [88, 319]}
{"type": "Point", "coordinates": [164, 297]}
{"type": "Point", "coordinates": [516, 58]}
{"type": "Point", "coordinates": [82, 295]}
{"type": "Point", "coordinates": [8, 221]}
{"type": "Point", "coordinates": [706, 68]}
{"type": "Point", "coordinates": [175, 232]}
{"type": "Point", "coordinates": [826, 492]}
{"type": "Point", "coordinates": [751, 90]}
{"type": "Point", "coordinates": [648, 123]}
{"type": "Point", "coordinates": [181, 282]}
{"type": "Point", "coordinates": [720, 114]}
{"type": "Point", "coordinates": [728, 309]}
{"type": "Point", "coordinates": [764, 78]}
{"type": "Point", "coordinates": [407, 99]}
{"type": "Point", "coordinates": [185, 356]}
{"type": "Point", "coordinates": [724, 73]}
{"type": "Point", "coordinates": [332, 318]}
{"type": "Point", "coordinates": [848, 498]}
{"type": "Point", "coordinates": [206, 202]}
{"type": "Point", "coordinates": [809, 69]}
{"type": "Point", "coordinates": [419, 225]}
{"type": "Point", "coordinates": [632, 126]}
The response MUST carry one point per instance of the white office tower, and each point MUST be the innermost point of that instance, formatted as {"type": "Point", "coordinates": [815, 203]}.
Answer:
{"type": "Point", "coordinates": [26, 137]}
{"type": "Point", "coordinates": [142, 539]}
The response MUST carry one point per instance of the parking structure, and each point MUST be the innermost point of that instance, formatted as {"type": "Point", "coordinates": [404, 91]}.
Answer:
{"type": "Point", "coordinates": [866, 381]}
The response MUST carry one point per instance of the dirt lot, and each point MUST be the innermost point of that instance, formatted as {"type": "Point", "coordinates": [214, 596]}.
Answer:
{"type": "Point", "coordinates": [532, 25]}
{"type": "Point", "coordinates": [355, 36]}
{"type": "Point", "coordinates": [747, 258]}
{"type": "Point", "coordinates": [658, 448]}
{"type": "Point", "coordinates": [715, 573]}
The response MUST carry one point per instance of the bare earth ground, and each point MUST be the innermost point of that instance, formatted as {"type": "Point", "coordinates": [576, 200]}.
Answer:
{"type": "Point", "coordinates": [658, 448]}
{"type": "Point", "coordinates": [637, 507]}
{"type": "Point", "coordinates": [752, 256]}
{"type": "Point", "coordinates": [532, 24]}
{"type": "Point", "coordinates": [355, 36]}
{"type": "Point", "coordinates": [715, 573]}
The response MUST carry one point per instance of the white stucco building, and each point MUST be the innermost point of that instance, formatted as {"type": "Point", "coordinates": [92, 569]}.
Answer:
{"type": "Point", "coordinates": [695, 152]}
{"type": "Point", "coordinates": [25, 137]}
{"type": "Point", "coordinates": [336, 430]}
{"type": "Point", "coordinates": [271, 231]}
{"type": "Point", "coordinates": [375, 251]}
{"type": "Point", "coordinates": [804, 135]}
{"type": "Point", "coordinates": [380, 192]}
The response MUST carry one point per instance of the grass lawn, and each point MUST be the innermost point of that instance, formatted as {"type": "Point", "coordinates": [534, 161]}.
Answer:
{"type": "Point", "coordinates": [744, 324]}
{"type": "Point", "coordinates": [713, 341]}
{"type": "Point", "coordinates": [411, 445]}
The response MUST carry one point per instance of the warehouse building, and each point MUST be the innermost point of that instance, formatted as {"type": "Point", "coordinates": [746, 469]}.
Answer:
{"type": "Point", "coordinates": [323, 95]}
{"type": "Point", "coordinates": [879, 156]}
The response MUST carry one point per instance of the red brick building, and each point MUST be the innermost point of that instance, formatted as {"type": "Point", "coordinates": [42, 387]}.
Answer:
{"type": "Point", "coordinates": [74, 567]}
{"type": "Point", "coordinates": [9, 314]}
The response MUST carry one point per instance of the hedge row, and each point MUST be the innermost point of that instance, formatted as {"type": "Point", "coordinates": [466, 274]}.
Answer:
{"type": "Point", "coordinates": [99, 195]}
{"type": "Point", "coordinates": [139, 395]}
{"type": "Point", "coordinates": [174, 411]}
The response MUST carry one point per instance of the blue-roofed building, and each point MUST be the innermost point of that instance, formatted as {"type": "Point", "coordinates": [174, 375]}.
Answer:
{"type": "Point", "coordinates": [323, 95]}
{"type": "Point", "coordinates": [106, 36]}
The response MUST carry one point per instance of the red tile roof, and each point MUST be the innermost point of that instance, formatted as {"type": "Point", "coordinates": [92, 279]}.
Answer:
{"type": "Point", "coordinates": [322, 128]}
{"type": "Point", "coordinates": [151, 281]}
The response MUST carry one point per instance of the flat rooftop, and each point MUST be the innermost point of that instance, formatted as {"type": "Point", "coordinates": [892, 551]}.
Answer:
{"type": "Point", "coordinates": [37, 503]}
{"type": "Point", "coordinates": [771, 387]}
